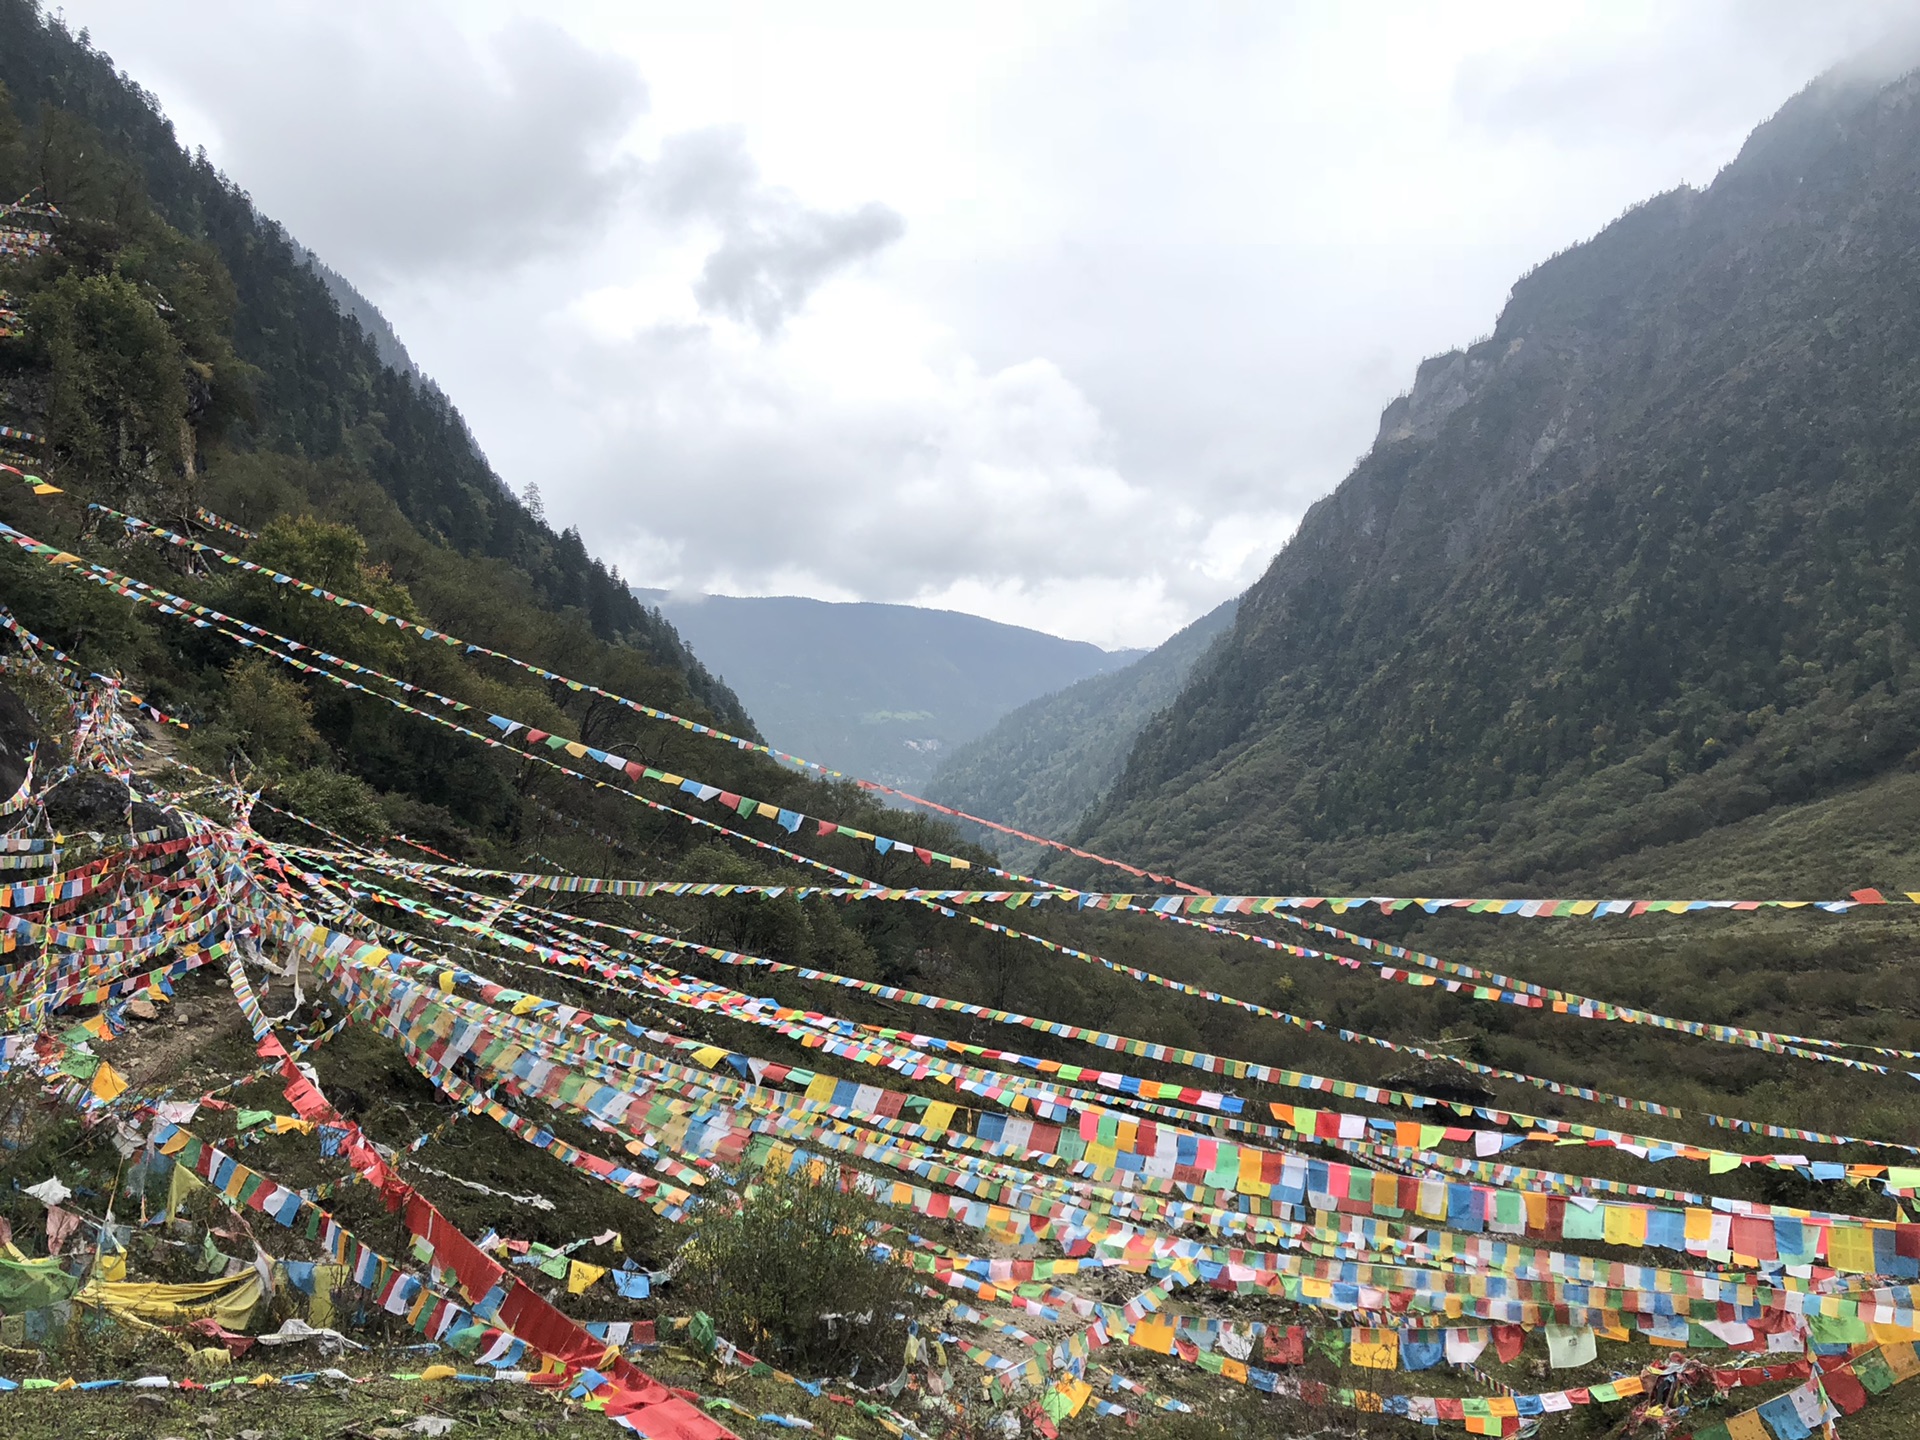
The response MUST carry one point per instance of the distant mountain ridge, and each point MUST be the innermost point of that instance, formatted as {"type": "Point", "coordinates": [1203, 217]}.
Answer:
{"type": "Point", "coordinates": [877, 690]}
{"type": "Point", "coordinates": [1043, 765]}
{"type": "Point", "coordinates": [1644, 562]}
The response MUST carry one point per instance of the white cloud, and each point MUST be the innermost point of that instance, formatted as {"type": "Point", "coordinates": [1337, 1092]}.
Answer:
{"type": "Point", "coordinates": [704, 459]}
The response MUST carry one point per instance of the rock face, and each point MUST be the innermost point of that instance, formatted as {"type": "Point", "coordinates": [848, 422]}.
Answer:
{"type": "Point", "coordinates": [99, 803]}
{"type": "Point", "coordinates": [18, 736]}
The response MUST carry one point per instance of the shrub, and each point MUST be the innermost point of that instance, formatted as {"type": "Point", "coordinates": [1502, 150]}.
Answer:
{"type": "Point", "coordinates": [789, 1275]}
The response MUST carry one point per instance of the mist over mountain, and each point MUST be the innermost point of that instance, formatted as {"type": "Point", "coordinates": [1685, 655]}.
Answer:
{"type": "Point", "coordinates": [1637, 565]}
{"type": "Point", "coordinates": [883, 691]}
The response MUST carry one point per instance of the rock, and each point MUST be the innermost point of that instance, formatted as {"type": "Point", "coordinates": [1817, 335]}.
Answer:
{"type": "Point", "coordinates": [102, 804]}
{"type": "Point", "coordinates": [1443, 1080]}
{"type": "Point", "coordinates": [18, 735]}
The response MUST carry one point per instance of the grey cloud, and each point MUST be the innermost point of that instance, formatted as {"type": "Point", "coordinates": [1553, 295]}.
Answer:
{"type": "Point", "coordinates": [761, 275]}
{"type": "Point", "coordinates": [394, 145]}
{"type": "Point", "coordinates": [1713, 68]}
{"type": "Point", "coordinates": [774, 252]}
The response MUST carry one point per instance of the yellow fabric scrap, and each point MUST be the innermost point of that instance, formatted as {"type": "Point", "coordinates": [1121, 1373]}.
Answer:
{"type": "Point", "coordinates": [230, 1300]}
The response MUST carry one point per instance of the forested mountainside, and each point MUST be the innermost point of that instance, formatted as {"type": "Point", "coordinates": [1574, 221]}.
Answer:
{"type": "Point", "coordinates": [882, 691]}
{"type": "Point", "coordinates": [1639, 564]}
{"type": "Point", "coordinates": [167, 351]}
{"type": "Point", "coordinates": [96, 144]}
{"type": "Point", "coordinates": [1041, 766]}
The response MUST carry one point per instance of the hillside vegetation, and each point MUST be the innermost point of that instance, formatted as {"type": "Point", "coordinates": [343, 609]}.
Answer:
{"type": "Point", "coordinates": [289, 373]}
{"type": "Point", "coordinates": [1040, 767]}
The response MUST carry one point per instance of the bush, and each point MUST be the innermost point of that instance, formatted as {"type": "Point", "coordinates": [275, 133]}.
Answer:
{"type": "Point", "coordinates": [790, 1276]}
{"type": "Point", "coordinates": [340, 802]}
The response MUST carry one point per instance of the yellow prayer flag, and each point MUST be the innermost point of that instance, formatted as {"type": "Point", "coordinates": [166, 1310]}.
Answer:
{"type": "Point", "coordinates": [1077, 1393]}
{"type": "Point", "coordinates": [1623, 1224]}
{"type": "Point", "coordinates": [581, 1275]}
{"type": "Point", "coordinates": [1155, 1335]}
{"type": "Point", "coordinates": [1850, 1249]}
{"type": "Point", "coordinates": [108, 1083]}
{"type": "Point", "coordinates": [1376, 1349]}
{"type": "Point", "coordinates": [939, 1116]}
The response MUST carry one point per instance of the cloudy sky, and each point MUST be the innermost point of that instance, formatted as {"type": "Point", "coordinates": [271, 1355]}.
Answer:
{"type": "Point", "coordinates": [1060, 314]}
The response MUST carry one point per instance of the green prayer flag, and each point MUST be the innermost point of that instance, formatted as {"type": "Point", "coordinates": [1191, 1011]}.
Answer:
{"type": "Point", "coordinates": [1872, 1371]}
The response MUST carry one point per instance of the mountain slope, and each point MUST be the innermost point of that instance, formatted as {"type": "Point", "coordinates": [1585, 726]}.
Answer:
{"type": "Point", "coordinates": [320, 388]}
{"type": "Point", "coordinates": [1041, 766]}
{"type": "Point", "coordinates": [377, 328]}
{"type": "Point", "coordinates": [1640, 564]}
{"type": "Point", "coordinates": [883, 691]}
